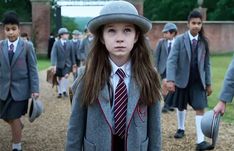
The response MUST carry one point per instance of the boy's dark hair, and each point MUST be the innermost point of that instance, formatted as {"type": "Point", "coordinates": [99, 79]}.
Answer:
{"type": "Point", "coordinates": [10, 17]}
{"type": "Point", "coordinates": [173, 30]}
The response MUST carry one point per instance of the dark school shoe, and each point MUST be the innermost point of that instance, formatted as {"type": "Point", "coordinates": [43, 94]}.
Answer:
{"type": "Point", "coordinates": [65, 94]}
{"type": "Point", "coordinates": [59, 96]}
{"type": "Point", "coordinates": [179, 134]}
{"type": "Point", "coordinates": [204, 146]}
{"type": "Point", "coordinates": [16, 150]}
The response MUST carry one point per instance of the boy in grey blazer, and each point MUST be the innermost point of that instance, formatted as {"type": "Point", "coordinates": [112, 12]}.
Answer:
{"type": "Point", "coordinates": [19, 77]}
{"type": "Point", "coordinates": [162, 52]}
{"type": "Point", "coordinates": [227, 91]}
{"type": "Point", "coordinates": [62, 60]}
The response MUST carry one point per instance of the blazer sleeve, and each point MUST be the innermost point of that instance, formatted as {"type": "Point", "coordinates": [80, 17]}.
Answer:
{"type": "Point", "coordinates": [77, 123]}
{"type": "Point", "coordinates": [157, 53]}
{"type": "Point", "coordinates": [32, 67]}
{"type": "Point", "coordinates": [227, 91]}
{"type": "Point", "coordinates": [172, 60]}
{"type": "Point", "coordinates": [207, 68]}
{"type": "Point", "coordinates": [54, 54]}
{"type": "Point", "coordinates": [154, 127]}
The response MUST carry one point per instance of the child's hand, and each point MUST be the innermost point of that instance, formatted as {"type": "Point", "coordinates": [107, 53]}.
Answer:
{"type": "Point", "coordinates": [164, 87]}
{"type": "Point", "coordinates": [171, 86]}
{"type": "Point", "coordinates": [35, 95]}
{"type": "Point", "coordinates": [66, 75]}
{"type": "Point", "coordinates": [208, 90]}
{"type": "Point", "coordinates": [74, 68]}
{"type": "Point", "coordinates": [53, 69]}
{"type": "Point", "coordinates": [220, 107]}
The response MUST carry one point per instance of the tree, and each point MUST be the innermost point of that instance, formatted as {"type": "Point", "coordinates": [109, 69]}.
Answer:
{"type": "Point", "coordinates": [21, 7]}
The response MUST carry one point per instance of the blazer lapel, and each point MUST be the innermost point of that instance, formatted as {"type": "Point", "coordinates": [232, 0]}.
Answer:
{"type": "Point", "coordinates": [104, 101]}
{"type": "Point", "coordinates": [200, 51]}
{"type": "Point", "coordinates": [5, 52]}
{"type": "Point", "coordinates": [165, 46]}
{"type": "Point", "coordinates": [19, 50]}
{"type": "Point", "coordinates": [187, 45]}
{"type": "Point", "coordinates": [133, 98]}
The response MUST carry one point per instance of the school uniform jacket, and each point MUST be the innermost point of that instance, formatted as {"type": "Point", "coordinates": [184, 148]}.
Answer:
{"type": "Point", "coordinates": [61, 57]}
{"type": "Point", "coordinates": [91, 128]}
{"type": "Point", "coordinates": [85, 46]}
{"type": "Point", "coordinates": [20, 77]}
{"type": "Point", "coordinates": [78, 54]}
{"type": "Point", "coordinates": [227, 91]}
{"type": "Point", "coordinates": [161, 54]}
{"type": "Point", "coordinates": [179, 60]}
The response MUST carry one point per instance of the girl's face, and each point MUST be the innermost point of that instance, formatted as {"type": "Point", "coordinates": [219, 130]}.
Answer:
{"type": "Point", "coordinates": [195, 25]}
{"type": "Point", "coordinates": [119, 39]}
{"type": "Point", "coordinates": [12, 32]}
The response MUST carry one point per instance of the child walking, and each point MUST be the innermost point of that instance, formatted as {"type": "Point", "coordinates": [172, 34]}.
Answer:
{"type": "Point", "coordinates": [62, 61]}
{"type": "Point", "coordinates": [19, 77]}
{"type": "Point", "coordinates": [116, 103]}
{"type": "Point", "coordinates": [188, 76]}
{"type": "Point", "coordinates": [161, 54]}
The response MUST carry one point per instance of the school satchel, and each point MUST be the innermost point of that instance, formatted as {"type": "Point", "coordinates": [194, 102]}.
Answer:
{"type": "Point", "coordinates": [70, 94]}
{"type": "Point", "coordinates": [51, 77]}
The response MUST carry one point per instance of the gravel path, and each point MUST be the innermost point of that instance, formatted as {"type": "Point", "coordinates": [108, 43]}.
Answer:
{"type": "Point", "coordinates": [48, 132]}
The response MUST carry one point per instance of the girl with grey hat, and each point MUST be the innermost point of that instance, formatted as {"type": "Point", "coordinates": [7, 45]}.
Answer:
{"type": "Point", "coordinates": [116, 103]}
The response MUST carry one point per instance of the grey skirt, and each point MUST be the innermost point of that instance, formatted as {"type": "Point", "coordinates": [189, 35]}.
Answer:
{"type": "Point", "coordinates": [194, 95]}
{"type": "Point", "coordinates": [11, 109]}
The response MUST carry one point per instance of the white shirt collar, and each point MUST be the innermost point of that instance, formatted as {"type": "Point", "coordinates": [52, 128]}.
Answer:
{"type": "Point", "coordinates": [126, 68]}
{"type": "Point", "coordinates": [191, 36]}
{"type": "Point", "coordinates": [15, 43]}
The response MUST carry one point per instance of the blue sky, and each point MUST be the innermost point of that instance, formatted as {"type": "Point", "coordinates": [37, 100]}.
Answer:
{"type": "Point", "coordinates": [80, 11]}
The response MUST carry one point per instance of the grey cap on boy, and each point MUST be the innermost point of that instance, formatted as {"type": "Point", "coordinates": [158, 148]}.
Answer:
{"type": "Point", "coordinates": [76, 32]}
{"type": "Point", "coordinates": [119, 11]}
{"type": "Point", "coordinates": [63, 31]}
{"type": "Point", "coordinates": [169, 26]}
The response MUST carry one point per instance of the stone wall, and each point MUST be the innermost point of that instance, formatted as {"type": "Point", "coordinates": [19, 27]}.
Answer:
{"type": "Point", "coordinates": [220, 34]}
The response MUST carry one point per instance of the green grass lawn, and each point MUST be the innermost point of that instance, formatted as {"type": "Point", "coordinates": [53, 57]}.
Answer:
{"type": "Point", "coordinates": [43, 63]}
{"type": "Point", "coordinates": [219, 65]}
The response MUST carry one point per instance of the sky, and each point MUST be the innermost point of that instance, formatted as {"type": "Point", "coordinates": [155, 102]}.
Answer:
{"type": "Point", "coordinates": [80, 11]}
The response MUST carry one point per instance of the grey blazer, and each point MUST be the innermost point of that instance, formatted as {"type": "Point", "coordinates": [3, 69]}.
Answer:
{"type": "Point", "coordinates": [21, 76]}
{"type": "Point", "coordinates": [91, 128]}
{"type": "Point", "coordinates": [85, 46]}
{"type": "Point", "coordinates": [62, 58]}
{"type": "Point", "coordinates": [227, 91]}
{"type": "Point", "coordinates": [160, 55]}
{"type": "Point", "coordinates": [179, 59]}
{"type": "Point", "coordinates": [78, 54]}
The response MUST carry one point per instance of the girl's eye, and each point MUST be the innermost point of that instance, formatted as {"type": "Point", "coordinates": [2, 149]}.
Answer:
{"type": "Point", "coordinates": [127, 30]}
{"type": "Point", "coordinates": [111, 30]}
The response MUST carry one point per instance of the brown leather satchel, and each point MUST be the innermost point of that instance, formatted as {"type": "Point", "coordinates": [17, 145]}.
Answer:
{"type": "Point", "coordinates": [51, 78]}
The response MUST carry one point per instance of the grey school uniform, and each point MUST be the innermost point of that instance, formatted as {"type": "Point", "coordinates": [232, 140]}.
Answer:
{"type": "Point", "coordinates": [85, 46]}
{"type": "Point", "coordinates": [18, 79]}
{"type": "Point", "coordinates": [190, 72]}
{"type": "Point", "coordinates": [227, 91]}
{"type": "Point", "coordinates": [161, 54]}
{"type": "Point", "coordinates": [78, 54]}
{"type": "Point", "coordinates": [91, 128]}
{"type": "Point", "coordinates": [62, 58]}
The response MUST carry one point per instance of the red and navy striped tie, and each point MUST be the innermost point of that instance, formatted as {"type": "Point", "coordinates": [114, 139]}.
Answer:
{"type": "Point", "coordinates": [120, 105]}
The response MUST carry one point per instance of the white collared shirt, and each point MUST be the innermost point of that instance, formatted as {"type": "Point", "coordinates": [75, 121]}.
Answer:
{"type": "Point", "coordinates": [170, 41]}
{"type": "Point", "coordinates": [114, 78]}
{"type": "Point", "coordinates": [15, 43]}
{"type": "Point", "coordinates": [191, 37]}
{"type": "Point", "coordinates": [63, 41]}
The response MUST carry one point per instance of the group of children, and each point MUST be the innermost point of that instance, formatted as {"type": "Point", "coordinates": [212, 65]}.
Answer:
{"type": "Point", "coordinates": [116, 103]}
{"type": "Point", "coordinates": [67, 55]}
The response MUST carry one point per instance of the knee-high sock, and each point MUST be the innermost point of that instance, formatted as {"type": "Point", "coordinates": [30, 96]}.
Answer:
{"type": "Point", "coordinates": [200, 135]}
{"type": "Point", "coordinates": [59, 87]}
{"type": "Point", "coordinates": [66, 81]}
{"type": "Point", "coordinates": [181, 119]}
{"type": "Point", "coordinates": [17, 146]}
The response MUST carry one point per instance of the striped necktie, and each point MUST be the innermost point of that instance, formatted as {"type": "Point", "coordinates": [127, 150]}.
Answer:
{"type": "Point", "coordinates": [120, 105]}
{"type": "Point", "coordinates": [11, 52]}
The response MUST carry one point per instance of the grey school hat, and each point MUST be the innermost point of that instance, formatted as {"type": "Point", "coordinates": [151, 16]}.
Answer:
{"type": "Point", "coordinates": [35, 109]}
{"type": "Point", "coordinates": [63, 31]}
{"type": "Point", "coordinates": [76, 32]}
{"type": "Point", "coordinates": [119, 11]}
{"type": "Point", "coordinates": [210, 125]}
{"type": "Point", "coordinates": [169, 26]}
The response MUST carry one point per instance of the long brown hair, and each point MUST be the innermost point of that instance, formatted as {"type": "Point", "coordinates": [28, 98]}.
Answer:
{"type": "Point", "coordinates": [98, 70]}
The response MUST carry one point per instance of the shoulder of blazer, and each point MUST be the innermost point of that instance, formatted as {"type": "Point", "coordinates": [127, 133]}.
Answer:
{"type": "Point", "coordinates": [75, 84]}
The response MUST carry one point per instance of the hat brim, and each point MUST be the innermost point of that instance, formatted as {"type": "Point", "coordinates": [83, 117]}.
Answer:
{"type": "Point", "coordinates": [143, 23]}
{"type": "Point", "coordinates": [215, 130]}
{"type": "Point", "coordinates": [35, 109]}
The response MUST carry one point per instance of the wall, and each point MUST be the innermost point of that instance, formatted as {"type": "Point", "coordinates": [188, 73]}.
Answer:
{"type": "Point", "coordinates": [220, 34]}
